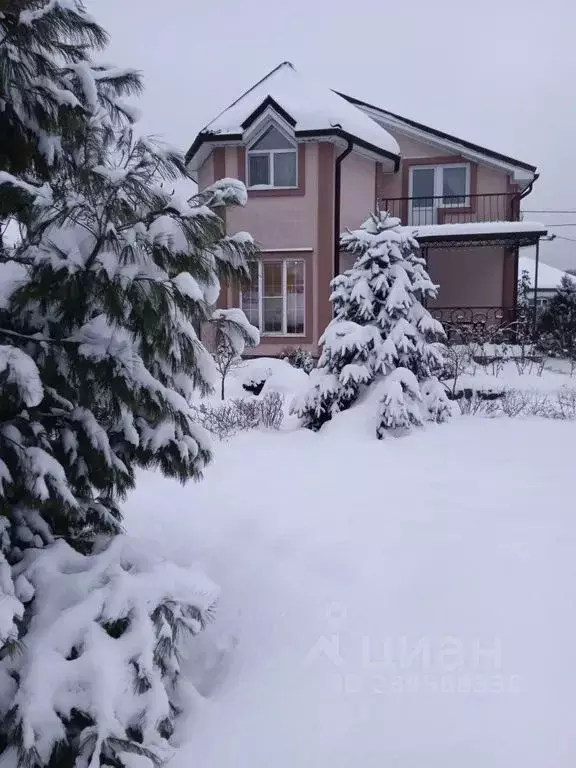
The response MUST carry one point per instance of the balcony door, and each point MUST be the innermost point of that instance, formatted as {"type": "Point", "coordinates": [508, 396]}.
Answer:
{"type": "Point", "coordinates": [437, 186]}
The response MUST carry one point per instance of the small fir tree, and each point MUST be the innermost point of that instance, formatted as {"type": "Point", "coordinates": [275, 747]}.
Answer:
{"type": "Point", "coordinates": [381, 332]}
{"type": "Point", "coordinates": [524, 290]}
{"type": "Point", "coordinates": [299, 358]}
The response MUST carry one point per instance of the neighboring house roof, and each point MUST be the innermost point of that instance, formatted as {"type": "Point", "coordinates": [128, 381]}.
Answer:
{"type": "Point", "coordinates": [313, 111]}
{"type": "Point", "coordinates": [549, 278]}
{"type": "Point", "coordinates": [439, 134]}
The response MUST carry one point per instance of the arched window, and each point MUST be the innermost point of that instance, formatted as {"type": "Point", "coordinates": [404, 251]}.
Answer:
{"type": "Point", "coordinates": [272, 160]}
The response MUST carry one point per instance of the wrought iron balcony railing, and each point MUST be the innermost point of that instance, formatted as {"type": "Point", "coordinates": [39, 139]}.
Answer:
{"type": "Point", "coordinates": [453, 209]}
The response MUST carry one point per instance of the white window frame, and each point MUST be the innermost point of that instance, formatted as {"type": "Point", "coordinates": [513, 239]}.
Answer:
{"type": "Point", "coordinates": [270, 153]}
{"type": "Point", "coordinates": [438, 201]}
{"type": "Point", "coordinates": [284, 263]}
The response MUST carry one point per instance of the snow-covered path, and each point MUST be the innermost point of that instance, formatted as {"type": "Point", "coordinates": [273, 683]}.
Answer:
{"type": "Point", "coordinates": [405, 603]}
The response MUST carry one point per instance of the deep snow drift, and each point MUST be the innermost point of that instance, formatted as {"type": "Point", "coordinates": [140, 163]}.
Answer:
{"type": "Point", "coordinates": [407, 602]}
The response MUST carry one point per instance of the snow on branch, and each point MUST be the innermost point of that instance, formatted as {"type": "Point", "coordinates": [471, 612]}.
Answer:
{"type": "Point", "coordinates": [234, 324]}
{"type": "Point", "coordinates": [226, 192]}
{"type": "Point", "coordinates": [232, 334]}
{"type": "Point", "coordinates": [103, 650]}
{"type": "Point", "coordinates": [21, 372]}
{"type": "Point", "coordinates": [28, 16]}
{"type": "Point", "coordinates": [42, 195]}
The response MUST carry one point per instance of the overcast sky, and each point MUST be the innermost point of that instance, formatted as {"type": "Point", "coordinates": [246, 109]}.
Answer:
{"type": "Point", "coordinates": [501, 73]}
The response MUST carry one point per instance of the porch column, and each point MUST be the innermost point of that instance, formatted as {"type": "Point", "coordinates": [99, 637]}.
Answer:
{"type": "Point", "coordinates": [535, 307]}
{"type": "Point", "coordinates": [510, 281]}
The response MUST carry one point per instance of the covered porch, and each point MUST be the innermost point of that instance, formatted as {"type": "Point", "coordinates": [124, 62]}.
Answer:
{"type": "Point", "coordinates": [475, 266]}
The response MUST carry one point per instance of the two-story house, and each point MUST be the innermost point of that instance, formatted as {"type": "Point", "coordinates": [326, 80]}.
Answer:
{"type": "Point", "coordinates": [316, 162]}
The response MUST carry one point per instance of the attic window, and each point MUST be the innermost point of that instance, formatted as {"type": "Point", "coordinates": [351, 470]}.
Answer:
{"type": "Point", "coordinates": [272, 161]}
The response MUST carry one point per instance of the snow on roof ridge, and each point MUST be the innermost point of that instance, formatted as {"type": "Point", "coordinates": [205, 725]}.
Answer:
{"type": "Point", "coordinates": [312, 107]}
{"type": "Point", "coordinates": [249, 90]}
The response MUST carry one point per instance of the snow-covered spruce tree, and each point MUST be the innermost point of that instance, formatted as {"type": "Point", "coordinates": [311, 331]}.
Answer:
{"type": "Point", "coordinates": [49, 89]}
{"type": "Point", "coordinates": [232, 334]}
{"type": "Point", "coordinates": [98, 358]}
{"type": "Point", "coordinates": [381, 333]}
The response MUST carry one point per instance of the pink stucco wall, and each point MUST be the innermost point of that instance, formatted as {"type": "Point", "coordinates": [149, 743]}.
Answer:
{"type": "Point", "coordinates": [491, 180]}
{"type": "Point", "coordinates": [206, 173]}
{"type": "Point", "coordinates": [358, 190]}
{"type": "Point", "coordinates": [279, 222]}
{"type": "Point", "coordinates": [410, 147]}
{"type": "Point", "coordinates": [468, 277]}
{"type": "Point", "coordinates": [488, 180]}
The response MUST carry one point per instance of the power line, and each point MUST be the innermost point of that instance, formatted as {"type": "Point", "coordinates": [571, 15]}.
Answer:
{"type": "Point", "coordinates": [562, 237]}
{"type": "Point", "coordinates": [544, 210]}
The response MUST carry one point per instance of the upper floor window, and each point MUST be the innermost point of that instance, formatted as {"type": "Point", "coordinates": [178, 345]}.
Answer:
{"type": "Point", "coordinates": [272, 160]}
{"type": "Point", "coordinates": [434, 187]}
{"type": "Point", "coordinates": [447, 184]}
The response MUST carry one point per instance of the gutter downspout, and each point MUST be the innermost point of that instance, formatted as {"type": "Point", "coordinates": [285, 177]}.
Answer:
{"type": "Point", "coordinates": [337, 199]}
{"type": "Point", "coordinates": [525, 193]}
{"type": "Point", "coordinates": [528, 189]}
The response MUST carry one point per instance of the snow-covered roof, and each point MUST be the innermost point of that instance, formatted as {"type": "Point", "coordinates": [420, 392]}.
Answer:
{"type": "Point", "coordinates": [548, 277]}
{"type": "Point", "coordinates": [463, 146]}
{"type": "Point", "coordinates": [310, 107]}
{"type": "Point", "coordinates": [478, 228]}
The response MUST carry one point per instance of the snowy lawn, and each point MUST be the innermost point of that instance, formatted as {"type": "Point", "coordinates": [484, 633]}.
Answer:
{"type": "Point", "coordinates": [402, 603]}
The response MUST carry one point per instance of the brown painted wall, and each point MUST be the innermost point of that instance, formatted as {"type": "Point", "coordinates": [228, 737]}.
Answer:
{"type": "Point", "coordinates": [468, 277]}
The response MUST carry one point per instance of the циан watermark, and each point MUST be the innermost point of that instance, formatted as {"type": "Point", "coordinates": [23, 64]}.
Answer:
{"type": "Point", "coordinates": [361, 663]}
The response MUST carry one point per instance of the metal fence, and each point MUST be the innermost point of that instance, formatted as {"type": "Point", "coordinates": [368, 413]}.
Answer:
{"type": "Point", "coordinates": [453, 209]}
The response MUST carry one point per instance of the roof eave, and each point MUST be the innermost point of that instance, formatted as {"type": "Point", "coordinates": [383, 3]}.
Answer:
{"type": "Point", "coordinates": [520, 238]}
{"type": "Point", "coordinates": [334, 132]}
{"type": "Point", "coordinates": [442, 135]}
{"type": "Point", "coordinates": [209, 137]}
{"type": "Point", "coordinates": [206, 137]}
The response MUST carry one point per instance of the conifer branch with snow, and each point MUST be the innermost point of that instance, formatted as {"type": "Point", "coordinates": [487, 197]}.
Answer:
{"type": "Point", "coordinates": [100, 307]}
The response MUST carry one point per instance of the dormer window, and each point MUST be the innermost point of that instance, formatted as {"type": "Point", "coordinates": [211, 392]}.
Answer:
{"type": "Point", "coordinates": [272, 161]}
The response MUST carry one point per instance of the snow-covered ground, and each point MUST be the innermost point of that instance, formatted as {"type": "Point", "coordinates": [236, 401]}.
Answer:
{"type": "Point", "coordinates": [400, 603]}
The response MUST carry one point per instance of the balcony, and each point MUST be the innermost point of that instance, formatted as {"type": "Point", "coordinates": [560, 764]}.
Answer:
{"type": "Point", "coordinates": [452, 209]}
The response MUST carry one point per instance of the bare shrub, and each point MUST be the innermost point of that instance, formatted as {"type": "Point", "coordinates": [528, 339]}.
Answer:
{"type": "Point", "coordinates": [475, 406]}
{"type": "Point", "coordinates": [241, 415]}
{"type": "Point", "coordinates": [457, 360]}
{"type": "Point", "coordinates": [517, 403]}
{"type": "Point", "coordinates": [559, 405]}
{"type": "Point", "coordinates": [271, 410]}
{"type": "Point", "coordinates": [566, 403]}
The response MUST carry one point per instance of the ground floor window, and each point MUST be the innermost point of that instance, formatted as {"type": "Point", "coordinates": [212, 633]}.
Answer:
{"type": "Point", "coordinates": [274, 299]}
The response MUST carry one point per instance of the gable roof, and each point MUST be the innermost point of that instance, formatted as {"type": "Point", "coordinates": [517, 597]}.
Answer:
{"type": "Point", "coordinates": [313, 111]}
{"type": "Point", "coordinates": [440, 134]}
